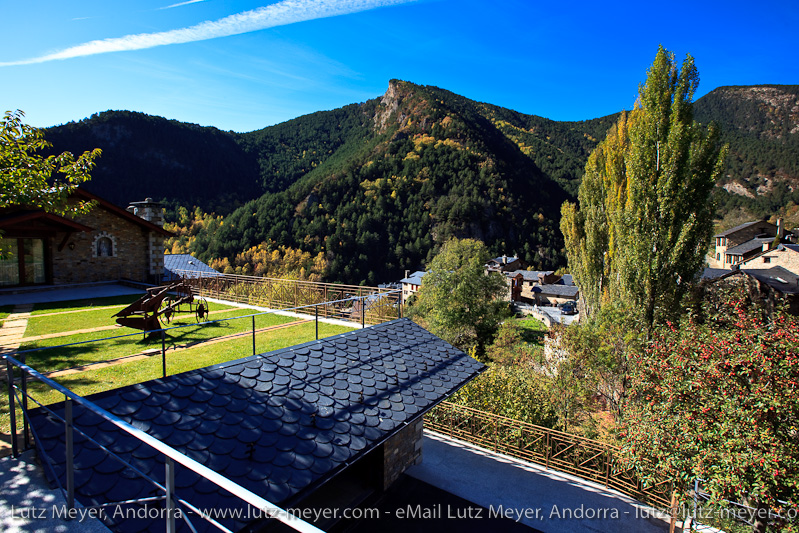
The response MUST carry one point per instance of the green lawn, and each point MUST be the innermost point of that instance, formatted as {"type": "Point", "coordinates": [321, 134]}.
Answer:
{"type": "Point", "coordinates": [5, 310]}
{"type": "Point", "coordinates": [59, 358]}
{"type": "Point", "coordinates": [90, 382]}
{"type": "Point", "coordinates": [85, 303]}
{"type": "Point", "coordinates": [533, 330]}
{"type": "Point", "coordinates": [88, 318]}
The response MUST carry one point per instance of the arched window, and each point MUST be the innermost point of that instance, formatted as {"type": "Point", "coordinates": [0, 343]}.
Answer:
{"type": "Point", "coordinates": [104, 245]}
{"type": "Point", "coordinates": [105, 248]}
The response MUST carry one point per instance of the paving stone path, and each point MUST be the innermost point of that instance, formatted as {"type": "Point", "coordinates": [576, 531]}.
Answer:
{"type": "Point", "coordinates": [13, 328]}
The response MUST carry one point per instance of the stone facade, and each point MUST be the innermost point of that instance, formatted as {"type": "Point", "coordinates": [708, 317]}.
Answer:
{"type": "Point", "coordinates": [118, 247]}
{"type": "Point", "coordinates": [401, 451]}
{"type": "Point", "coordinates": [786, 257]}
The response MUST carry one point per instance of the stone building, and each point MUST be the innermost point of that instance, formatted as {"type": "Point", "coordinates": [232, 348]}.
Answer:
{"type": "Point", "coordinates": [739, 244]}
{"type": "Point", "coordinates": [107, 244]}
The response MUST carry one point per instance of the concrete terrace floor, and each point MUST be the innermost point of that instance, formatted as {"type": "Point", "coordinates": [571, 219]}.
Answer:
{"type": "Point", "coordinates": [552, 500]}
{"type": "Point", "coordinates": [487, 479]}
{"type": "Point", "coordinates": [55, 293]}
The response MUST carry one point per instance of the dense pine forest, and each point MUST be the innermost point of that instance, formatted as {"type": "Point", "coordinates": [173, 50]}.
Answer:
{"type": "Point", "coordinates": [374, 188]}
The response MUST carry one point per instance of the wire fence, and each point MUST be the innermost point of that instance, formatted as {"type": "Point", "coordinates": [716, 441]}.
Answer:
{"type": "Point", "coordinates": [585, 458]}
{"type": "Point", "coordinates": [370, 305]}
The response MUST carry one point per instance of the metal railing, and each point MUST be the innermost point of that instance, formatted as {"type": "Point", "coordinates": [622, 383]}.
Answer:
{"type": "Point", "coordinates": [585, 458]}
{"type": "Point", "coordinates": [172, 503]}
{"type": "Point", "coordinates": [368, 309]}
{"type": "Point", "coordinates": [283, 293]}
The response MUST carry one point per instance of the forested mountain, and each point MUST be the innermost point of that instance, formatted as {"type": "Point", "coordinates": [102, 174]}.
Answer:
{"type": "Point", "coordinates": [761, 125]}
{"type": "Point", "coordinates": [377, 186]}
{"type": "Point", "coordinates": [145, 156]}
{"type": "Point", "coordinates": [431, 166]}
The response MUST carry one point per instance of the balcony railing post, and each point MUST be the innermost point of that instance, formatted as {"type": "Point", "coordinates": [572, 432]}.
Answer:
{"type": "Point", "coordinates": [25, 434]}
{"type": "Point", "coordinates": [170, 495]}
{"type": "Point", "coordinates": [316, 319]}
{"type": "Point", "coordinates": [12, 409]}
{"type": "Point", "coordinates": [547, 450]}
{"type": "Point", "coordinates": [70, 460]}
{"type": "Point", "coordinates": [163, 352]}
{"type": "Point", "coordinates": [253, 334]}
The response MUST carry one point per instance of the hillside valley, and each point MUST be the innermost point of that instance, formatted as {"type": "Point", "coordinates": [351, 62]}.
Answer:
{"type": "Point", "coordinates": [375, 187]}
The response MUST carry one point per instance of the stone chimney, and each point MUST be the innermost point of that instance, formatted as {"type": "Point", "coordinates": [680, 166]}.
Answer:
{"type": "Point", "coordinates": [149, 210]}
{"type": "Point", "coordinates": [152, 212]}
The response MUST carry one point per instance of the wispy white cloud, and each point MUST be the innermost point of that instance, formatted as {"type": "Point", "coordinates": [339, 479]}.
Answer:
{"type": "Point", "coordinates": [279, 14]}
{"type": "Point", "coordinates": [182, 4]}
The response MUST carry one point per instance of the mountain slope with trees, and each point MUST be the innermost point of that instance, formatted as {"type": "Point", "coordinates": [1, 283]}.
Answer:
{"type": "Point", "coordinates": [432, 167]}
{"type": "Point", "coordinates": [377, 186]}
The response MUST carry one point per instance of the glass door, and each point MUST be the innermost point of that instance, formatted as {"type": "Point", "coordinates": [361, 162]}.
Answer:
{"type": "Point", "coordinates": [9, 262]}
{"type": "Point", "coordinates": [33, 250]}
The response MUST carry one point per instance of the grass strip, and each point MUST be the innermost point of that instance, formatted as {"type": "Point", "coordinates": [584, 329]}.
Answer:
{"type": "Point", "coordinates": [84, 303]}
{"type": "Point", "coordinates": [60, 357]}
{"type": "Point", "coordinates": [87, 318]}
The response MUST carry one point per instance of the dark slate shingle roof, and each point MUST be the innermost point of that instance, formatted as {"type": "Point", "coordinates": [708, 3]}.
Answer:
{"type": "Point", "coordinates": [749, 246]}
{"type": "Point", "coordinates": [279, 423]}
{"type": "Point", "coordinates": [777, 278]}
{"type": "Point", "coordinates": [182, 262]}
{"type": "Point", "coordinates": [740, 227]}
{"type": "Point", "coordinates": [713, 273]}
{"type": "Point", "coordinates": [415, 278]}
{"type": "Point", "coordinates": [503, 260]}
{"type": "Point", "coordinates": [554, 289]}
{"type": "Point", "coordinates": [529, 275]}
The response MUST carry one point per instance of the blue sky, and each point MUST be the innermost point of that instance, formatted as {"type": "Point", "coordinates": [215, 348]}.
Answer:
{"type": "Point", "coordinates": [246, 64]}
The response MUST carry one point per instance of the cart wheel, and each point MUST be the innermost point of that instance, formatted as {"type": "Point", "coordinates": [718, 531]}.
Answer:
{"type": "Point", "coordinates": [166, 309]}
{"type": "Point", "coordinates": [201, 311]}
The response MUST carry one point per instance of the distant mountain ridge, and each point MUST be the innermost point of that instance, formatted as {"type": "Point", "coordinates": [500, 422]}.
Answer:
{"type": "Point", "coordinates": [377, 186]}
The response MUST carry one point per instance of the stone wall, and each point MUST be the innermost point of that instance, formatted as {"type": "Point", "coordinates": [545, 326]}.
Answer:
{"type": "Point", "coordinates": [402, 450]}
{"type": "Point", "coordinates": [785, 258]}
{"type": "Point", "coordinates": [87, 261]}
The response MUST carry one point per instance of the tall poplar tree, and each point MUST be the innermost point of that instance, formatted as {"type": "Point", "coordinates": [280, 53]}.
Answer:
{"type": "Point", "coordinates": [644, 220]}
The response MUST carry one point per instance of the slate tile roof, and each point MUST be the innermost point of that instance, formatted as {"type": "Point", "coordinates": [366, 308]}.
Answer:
{"type": "Point", "coordinates": [415, 278]}
{"type": "Point", "coordinates": [279, 424]}
{"type": "Point", "coordinates": [175, 266]}
{"type": "Point", "coordinates": [738, 228]}
{"type": "Point", "coordinates": [749, 246]}
{"type": "Point", "coordinates": [565, 291]}
{"type": "Point", "coordinates": [778, 278]}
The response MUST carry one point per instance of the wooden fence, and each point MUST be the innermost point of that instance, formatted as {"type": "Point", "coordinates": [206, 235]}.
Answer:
{"type": "Point", "coordinates": [585, 458]}
{"type": "Point", "coordinates": [368, 305]}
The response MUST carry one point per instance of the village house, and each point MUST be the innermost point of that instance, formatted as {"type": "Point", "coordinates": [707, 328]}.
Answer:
{"type": "Point", "coordinates": [741, 243]}
{"type": "Point", "coordinates": [107, 244]}
{"type": "Point", "coordinates": [411, 284]}
{"type": "Point", "coordinates": [541, 287]}
{"type": "Point", "coordinates": [504, 263]}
